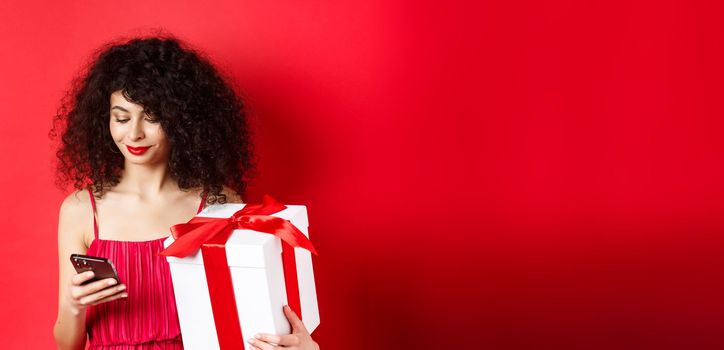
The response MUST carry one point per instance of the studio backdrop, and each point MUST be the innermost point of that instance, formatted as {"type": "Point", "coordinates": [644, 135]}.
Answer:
{"type": "Point", "coordinates": [478, 175]}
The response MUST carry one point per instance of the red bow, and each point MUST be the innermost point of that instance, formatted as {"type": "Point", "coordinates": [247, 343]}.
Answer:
{"type": "Point", "coordinates": [189, 237]}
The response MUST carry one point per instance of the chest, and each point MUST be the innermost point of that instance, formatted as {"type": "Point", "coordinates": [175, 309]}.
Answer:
{"type": "Point", "coordinates": [140, 222]}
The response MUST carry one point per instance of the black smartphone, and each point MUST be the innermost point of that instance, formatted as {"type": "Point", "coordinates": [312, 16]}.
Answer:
{"type": "Point", "coordinates": [102, 268]}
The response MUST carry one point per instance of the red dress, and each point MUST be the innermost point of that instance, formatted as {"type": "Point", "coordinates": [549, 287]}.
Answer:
{"type": "Point", "coordinates": [147, 318]}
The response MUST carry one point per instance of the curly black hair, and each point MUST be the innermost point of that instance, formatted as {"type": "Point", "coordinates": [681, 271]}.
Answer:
{"type": "Point", "coordinates": [202, 116]}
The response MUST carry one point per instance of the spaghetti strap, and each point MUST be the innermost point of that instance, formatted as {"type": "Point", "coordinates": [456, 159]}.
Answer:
{"type": "Point", "coordinates": [93, 204]}
{"type": "Point", "coordinates": [203, 202]}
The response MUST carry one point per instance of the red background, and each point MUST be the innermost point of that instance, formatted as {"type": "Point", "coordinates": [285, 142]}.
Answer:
{"type": "Point", "coordinates": [506, 175]}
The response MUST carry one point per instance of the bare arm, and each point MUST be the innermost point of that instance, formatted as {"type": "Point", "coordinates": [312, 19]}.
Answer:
{"type": "Point", "coordinates": [69, 330]}
{"type": "Point", "coordinates": [74, 296]}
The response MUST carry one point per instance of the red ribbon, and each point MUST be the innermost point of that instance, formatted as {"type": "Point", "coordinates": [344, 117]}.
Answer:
{"type": "Point", "coordinates": [211, 234]}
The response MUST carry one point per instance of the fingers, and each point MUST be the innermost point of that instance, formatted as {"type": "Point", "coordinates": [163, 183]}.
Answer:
{"type": "Point", "coordinates": [266, 341]}
{"type": "Point", "coordinates": [294, 321]}
{"type": "Point", "coordinates": [260, 345]}
{"type": "Point", "coordinates": [118, 295]}
{"type": "Point", "coordinates": [283, 340]}
{"type": "Point", "coordinates": [92, 287]}
{"type": "Point", "coordinates": [104, 295]}
{"type": "Point", "coordinates": [95, 292]}
{"type": "Point", "coordinates": [79, 278]}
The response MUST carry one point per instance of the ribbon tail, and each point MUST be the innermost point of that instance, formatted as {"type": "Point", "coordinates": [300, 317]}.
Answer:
{"type": "Point", "coordinates": [279, 227]}
{"type": "Point", "coordinates": [291, 234]}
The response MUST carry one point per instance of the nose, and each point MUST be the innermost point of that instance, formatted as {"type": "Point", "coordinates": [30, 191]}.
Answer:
{"type": "Point", "coordinates": [136, 132]}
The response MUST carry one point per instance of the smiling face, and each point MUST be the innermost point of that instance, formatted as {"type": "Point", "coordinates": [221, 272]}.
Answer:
{"type": "Point", "coordinates": [138, 135]}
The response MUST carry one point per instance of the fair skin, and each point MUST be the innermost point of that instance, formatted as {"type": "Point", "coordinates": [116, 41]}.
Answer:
{"type": "Point", "coordinates": [146, 193]}
{"type": "Point", "coordinates": [299, 339]}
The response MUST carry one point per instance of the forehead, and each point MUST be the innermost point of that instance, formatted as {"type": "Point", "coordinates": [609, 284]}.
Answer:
{"type": "Point", "coordinates": [117, 99]}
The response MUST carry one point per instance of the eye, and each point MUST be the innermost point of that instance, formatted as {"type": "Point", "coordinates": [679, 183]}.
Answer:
{"type": "Point", "coordinates": [122, 121]}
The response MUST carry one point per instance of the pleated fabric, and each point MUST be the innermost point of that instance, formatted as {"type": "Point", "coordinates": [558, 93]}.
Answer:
{"type": "Point", "coordinates": [147, 318]}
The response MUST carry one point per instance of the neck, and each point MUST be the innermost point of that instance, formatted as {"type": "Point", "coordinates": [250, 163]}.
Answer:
{"type": "Point", "coordinates": [147, 179]}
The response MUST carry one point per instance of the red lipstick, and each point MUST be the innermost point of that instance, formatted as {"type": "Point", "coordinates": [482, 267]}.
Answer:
{"type": "Point", "coordinates": [137, 150]}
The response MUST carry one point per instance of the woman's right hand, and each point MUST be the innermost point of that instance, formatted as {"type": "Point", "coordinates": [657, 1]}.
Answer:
{"type": "Point", "coordinates": [93, 293]}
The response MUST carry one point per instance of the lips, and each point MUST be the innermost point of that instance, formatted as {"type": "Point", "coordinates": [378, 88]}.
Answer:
{"type": "Point", "coordinates": [137, 150]}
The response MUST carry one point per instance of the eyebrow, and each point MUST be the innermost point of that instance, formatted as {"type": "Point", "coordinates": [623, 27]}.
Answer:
{"type": "Point", "coordinates": [122, 109]}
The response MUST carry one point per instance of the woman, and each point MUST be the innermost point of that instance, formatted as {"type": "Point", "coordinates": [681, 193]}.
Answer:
{"type": "Point", "coordinates": [149, 134]}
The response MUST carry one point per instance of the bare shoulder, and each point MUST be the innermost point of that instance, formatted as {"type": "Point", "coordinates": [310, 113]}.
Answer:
{"type": "Point", "coordinates": [231, 195]}
{"type": "Point", "coordinates": [75, 211]}
{"type": "Point", "coordinates": [75, 205]}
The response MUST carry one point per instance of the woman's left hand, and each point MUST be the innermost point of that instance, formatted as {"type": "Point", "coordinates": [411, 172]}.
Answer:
{"type": "Point", "coordinates": [299, 339]}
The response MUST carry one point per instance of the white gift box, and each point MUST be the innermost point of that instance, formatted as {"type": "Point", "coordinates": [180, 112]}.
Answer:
{"type": "Point", "coordinates": [255, 261]}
